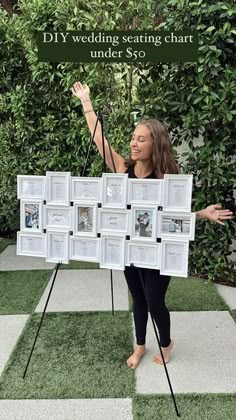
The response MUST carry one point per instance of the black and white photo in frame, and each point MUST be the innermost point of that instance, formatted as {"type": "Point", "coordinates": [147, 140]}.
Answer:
{"type": "Point", "coordinates": [32, 245]}
{"type": "Point", "coordinates": [143, 223]}
{"type": "Point", "coordinates": [31, 216]}
{"type": "Point", "coordinates": [177, 193]}
{"type": "Point", "coordinates": [148, 191]}
{"type": "Point", "coordinates": [174, 257]}
{"type": "Point", "coordinates": [85, 219]}
{"type": "Point", "coordinates": [86, 189]}
{"type": "Point", "coordinates": [58, 188]}
{"type": "Point", "coordinates": [57, 249]}
{"type": "Point", "coordinates": [179, 225]}
{"type": "Point", "coordinates": [112, 252]}
{"type": "Point", "coordinates": [143, 254]}
{"type": "Point", "coordinates": [114, 190]}
{"type": "Point", "coordinates": [84, 249]}
{"type": "Point", "coordinates": [31, 186]}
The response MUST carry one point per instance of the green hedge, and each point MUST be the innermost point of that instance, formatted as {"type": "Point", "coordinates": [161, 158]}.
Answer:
{"type": "Point", "coordinates": [42, 126]}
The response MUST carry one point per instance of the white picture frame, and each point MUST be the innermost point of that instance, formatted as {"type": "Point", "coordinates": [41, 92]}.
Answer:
{"type": "Point", "coordinates": [86, 189]}
{"type": "Point", "coordinates": [114, 190]}
{"type": "Point", "coordinates": [58, 188]}
{"type": "Point", "coordinates": [57, 217]}
{"type": "Point", "coordinates": [174, 257]}
{"type": "Point", "coordinates": [57, 246]}
{"type": "Point", "coordinates": [112, 252]}
{"type": "Point", "coordinates": [176, 225]}
{"type": "Point", "coordinates": [31, 216]}
{"type": "Point", "coordinates": [84, 249]}
{"type": "Point", "coordinates": [31, 186]}
{"type": "Point", "coordinates": [31, 245]}
{"type": "Point", "coordinates": [146, 255]}
{"type": "Point", "coordinates": [143, 223]}
{"type": "Point", "coordinates": [113, 221]}
{"type": "Point", "coordinates": [148, 191]}
{"type": "Point", "coordinates": [85, 219]}
{"type": "Point", "coordinates": [177, 192]}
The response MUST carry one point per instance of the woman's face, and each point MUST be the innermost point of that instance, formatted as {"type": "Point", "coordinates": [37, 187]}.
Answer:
{"type": "Point", "coordinates": [141, 144]}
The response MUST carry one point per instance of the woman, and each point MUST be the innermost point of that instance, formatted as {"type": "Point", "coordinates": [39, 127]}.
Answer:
{"type": "Point", "coordinates": [151, 157]}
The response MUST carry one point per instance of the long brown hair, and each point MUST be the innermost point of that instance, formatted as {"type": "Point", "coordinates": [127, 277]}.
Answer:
{"type": "Point", "coordinates": [163, 160]}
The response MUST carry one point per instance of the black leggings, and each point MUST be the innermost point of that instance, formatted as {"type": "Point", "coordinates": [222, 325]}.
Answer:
{"type": "Point", "coordinates": [155, 290]}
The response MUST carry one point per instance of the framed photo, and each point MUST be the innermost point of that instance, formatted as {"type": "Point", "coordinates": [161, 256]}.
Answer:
{"type": "Point", "coordinates": [31, 245]}
{"type": "Point", "coordinates": [57, 248]}
{"type": "Point", "coordinates": [177, 192]}
{"type": "Point", "coordinates": [174, 257]}
{"type": "Point", "coordinates": [176, 225]}
{"type": "Point", "coordinates": [112, 253]}
{"type": "Point", "coordinates": [31, 216]}
{"type": "Point", "coordinates": [58, 188]}
{"type": "Point", "coordinates": [143, 255]}
{"type": "Point", "coordinates": [84, 249]}
{"type": "Point", "coordinates": [85, 219]}
{"type": "Point", "coordinates": [110, 220]}
{"type": "Point", "coordinates": [148, 191]}
{"type": "Point", "coordinates": [114, 190]}
{"type": "Point", "coordinates": [57, 217]}
{"type": "Point", "coordinates": [86, 189]}
{"type": "Point", "coordinates": [29, 186]}
{"type": "Point", "coordinates": [143, 223]}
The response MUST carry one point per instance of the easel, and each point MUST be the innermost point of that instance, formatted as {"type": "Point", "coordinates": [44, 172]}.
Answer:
{"type": "Point", "coordinates": [100, 118]}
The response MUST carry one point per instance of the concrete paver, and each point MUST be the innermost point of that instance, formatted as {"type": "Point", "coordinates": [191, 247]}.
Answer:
{"type": "Point", "coordinates": [82, 409]}
{"type": "Point", "coordinates": [228, 293]}
{"type": "Point", "coordinates": [85, 290]}
{"type": "Point", "coordinates": [11, 327]}
{"type": "Point", "coordinates": [9, 261]}
{"type": "Point", "coordinates": [203, 358]}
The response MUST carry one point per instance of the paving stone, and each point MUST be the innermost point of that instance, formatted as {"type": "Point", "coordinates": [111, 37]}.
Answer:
{"type": "Point", "coordinates": [83, 409]}
{"type": "Point", "coordinates": [85, 290]}
{"type": "Point", "coordinates": [228, 293]}
{"type": "Point", "coordinates": [9, 261]}
{"type": "Point", "coordinates": [203, 358]}
{"type": "Point", "coordinates": [11, 327]}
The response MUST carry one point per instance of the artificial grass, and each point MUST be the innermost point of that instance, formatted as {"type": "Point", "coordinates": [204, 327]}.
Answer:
{"type": "Point", "coordinates": [190, 407]}
{"type": "Point", "coordinates": [77, 355]}
{"type": "Point", "coordinates": [193, 294]}
{"type": "Point", "coordinates": [21, 290]}
{"type": "Point", "coordinates": [5, 242]}
{"type": "Point", "coordinates": [79, 265]}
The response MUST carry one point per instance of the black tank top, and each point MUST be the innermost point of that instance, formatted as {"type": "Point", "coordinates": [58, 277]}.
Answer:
{"type": "Point", "coordinates": [131, 174]}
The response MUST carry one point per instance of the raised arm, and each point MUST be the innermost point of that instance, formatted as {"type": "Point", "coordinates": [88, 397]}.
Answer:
{"type": "Point", "coordinates": [82, 92]}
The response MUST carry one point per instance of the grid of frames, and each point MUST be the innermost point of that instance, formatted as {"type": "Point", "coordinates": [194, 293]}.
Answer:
{"type": "Point", "coordinates": [112, 220]}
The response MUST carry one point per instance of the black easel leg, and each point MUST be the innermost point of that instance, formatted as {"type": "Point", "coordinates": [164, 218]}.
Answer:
{"type": "Point", "coordinates": [112, 294]}
{"type": "Point", "coordinates": [90, 145]}
{"type": "Point", "coordinates": [45, 307]}
{"type": "Point", "coordinates": [159, 345]}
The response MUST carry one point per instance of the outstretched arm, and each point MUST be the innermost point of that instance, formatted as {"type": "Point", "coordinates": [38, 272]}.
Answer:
{"type": "Point", "coordinates": [82, 92]}
{"type": "Point", "coordinates": [214, 213]}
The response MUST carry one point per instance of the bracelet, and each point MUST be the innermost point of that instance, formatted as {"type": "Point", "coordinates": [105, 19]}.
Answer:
{"type": "Point", "coordinates": [86, 100]}
{"type": "Point", "coordinates": [89, 110]}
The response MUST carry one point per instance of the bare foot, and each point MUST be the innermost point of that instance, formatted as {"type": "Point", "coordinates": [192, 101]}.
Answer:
{"type": "Point", "coordinates": [166, 353]}
{"type": "Point", "coordinates": [136, 356]}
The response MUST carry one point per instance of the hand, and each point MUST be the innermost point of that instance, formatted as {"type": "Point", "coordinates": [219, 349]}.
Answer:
{"type": "Point", "coordinates": [80, 91]}
{"type": "Point", "coordinates": [214, 213]}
